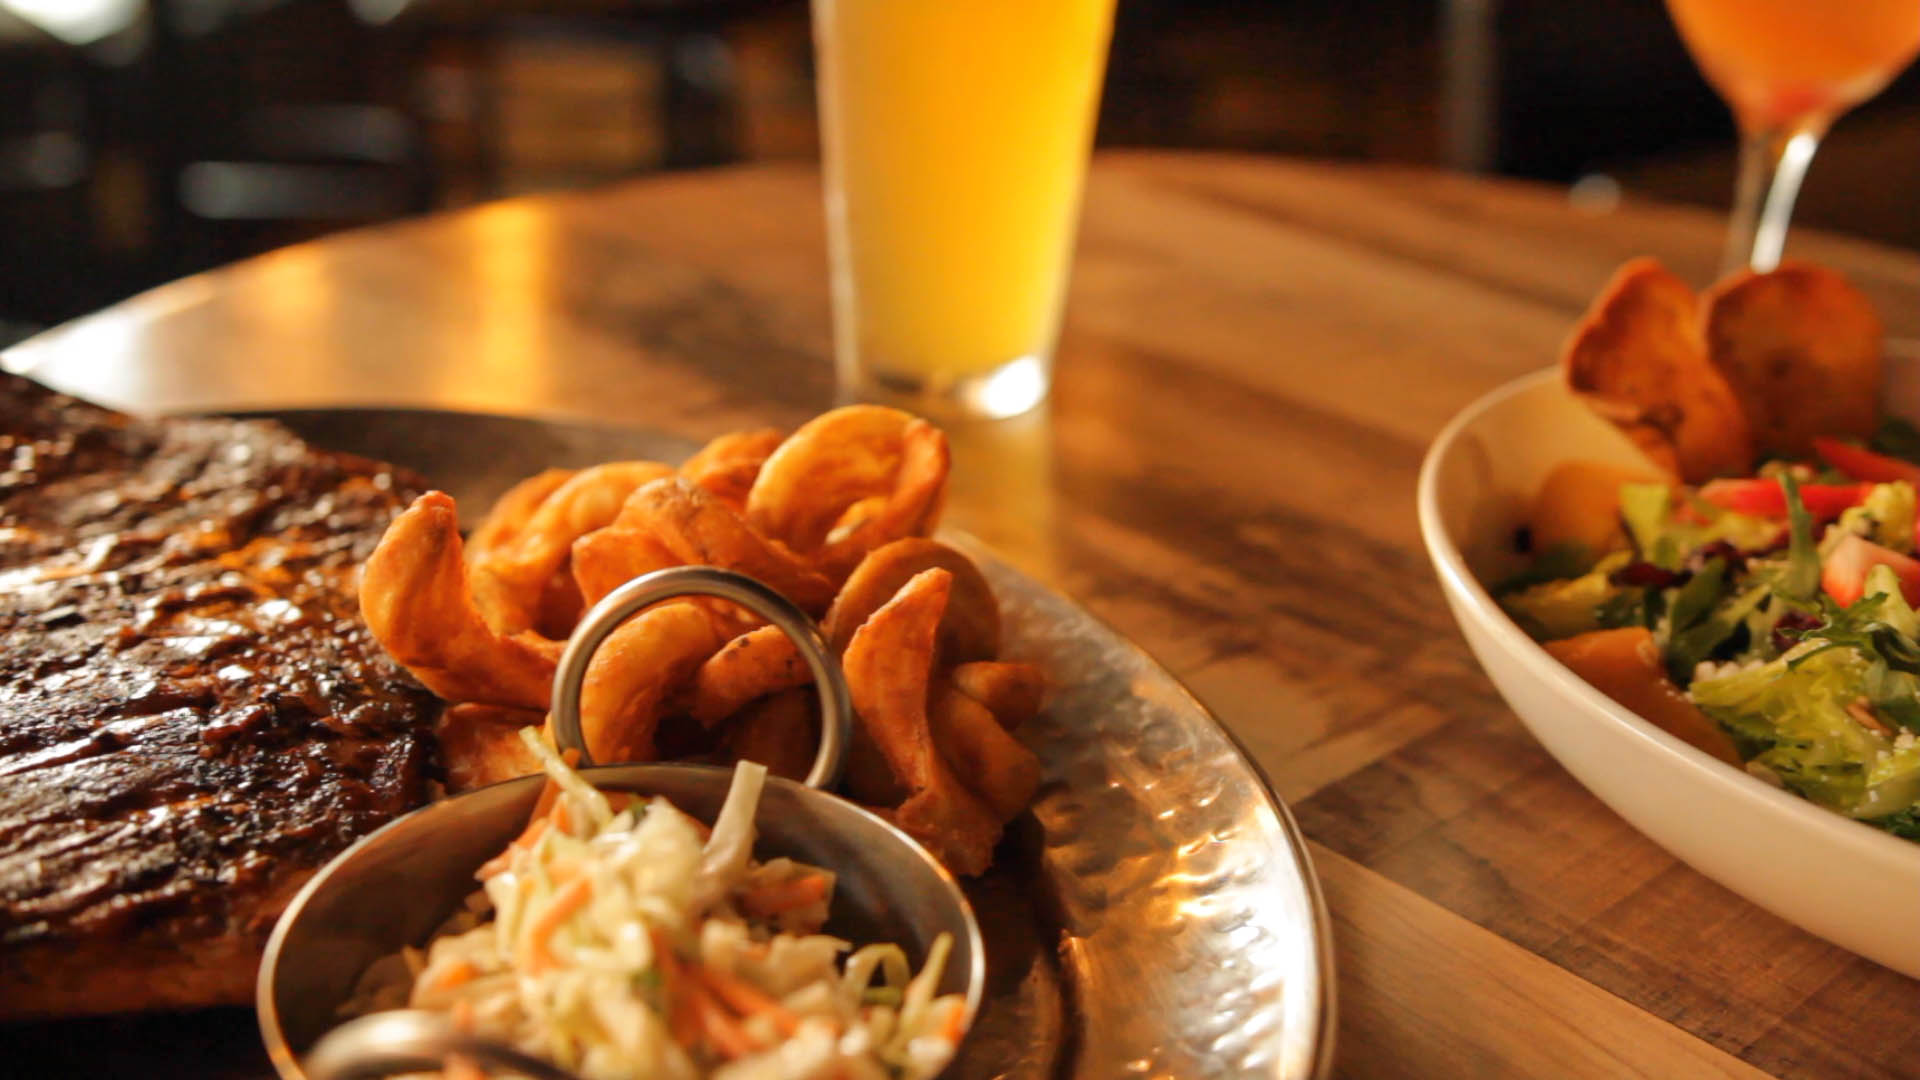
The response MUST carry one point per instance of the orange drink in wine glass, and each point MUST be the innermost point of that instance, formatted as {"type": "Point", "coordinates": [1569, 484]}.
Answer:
{"type": "Point", "coordinates": [1787, 69]}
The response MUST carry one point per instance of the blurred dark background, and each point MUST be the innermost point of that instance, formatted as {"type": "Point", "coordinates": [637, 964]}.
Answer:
{"type": "Point", "coordinates": [148, 139]}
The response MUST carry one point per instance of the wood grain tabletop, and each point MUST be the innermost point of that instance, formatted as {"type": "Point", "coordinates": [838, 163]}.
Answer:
{"type": "Point", "coordinates": [1256, 355]}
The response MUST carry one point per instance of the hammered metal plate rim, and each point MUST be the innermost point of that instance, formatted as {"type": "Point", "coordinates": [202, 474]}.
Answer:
{"type": "Point", "coordinates": [1295, 1054]}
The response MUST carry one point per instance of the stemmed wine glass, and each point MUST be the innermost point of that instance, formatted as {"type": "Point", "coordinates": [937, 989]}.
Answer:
{"type": "Point", "coordinates": [1787, 69]}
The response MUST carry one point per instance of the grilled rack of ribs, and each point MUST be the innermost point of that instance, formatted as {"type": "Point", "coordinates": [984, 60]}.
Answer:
{"type": "Point", "coordinates": [193, 718]}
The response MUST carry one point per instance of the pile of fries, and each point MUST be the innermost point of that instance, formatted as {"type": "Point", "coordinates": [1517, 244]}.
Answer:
{"type": "Point", "coordinates": [834, 516]}
{"type": "Point", "coordinates": [1757, 367]}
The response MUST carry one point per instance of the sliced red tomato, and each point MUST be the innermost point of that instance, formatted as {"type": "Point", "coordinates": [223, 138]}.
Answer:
{"type": "Point", "coordinates": [1864, 464]}
{"type": "Point", "coordinates": [1844, 572]}
{"type": "Point", "coordinates": [1764, 497]}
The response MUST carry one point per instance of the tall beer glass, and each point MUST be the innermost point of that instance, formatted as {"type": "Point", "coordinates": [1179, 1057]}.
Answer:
{"type": "Point", "coordinates": [956, 142]}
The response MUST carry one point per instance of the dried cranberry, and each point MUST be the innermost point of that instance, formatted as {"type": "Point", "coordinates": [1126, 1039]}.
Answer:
{"type": "Point", "coordinates": [1791, 627]}
{"type": "Point", "coordinates": [1645, 575]}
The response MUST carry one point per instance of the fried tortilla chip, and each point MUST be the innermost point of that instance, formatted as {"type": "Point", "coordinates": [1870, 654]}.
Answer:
{"type": "Point", "coordinates": [970, 629]}
{"type": "Point", "coordinates": [1639, 359]}
{"type": "Point", "coordinates": [1801, 348]}
{"type": "Point", "coordinates": [415, 599]}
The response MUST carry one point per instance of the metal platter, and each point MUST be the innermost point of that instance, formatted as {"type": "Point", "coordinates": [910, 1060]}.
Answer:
{"type": "Point", "coordinates": [1155, 915]}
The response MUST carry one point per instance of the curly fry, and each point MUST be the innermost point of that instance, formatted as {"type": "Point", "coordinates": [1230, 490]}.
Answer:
{"type": "Point", "coordinates": [849, 481]}
{"type": "Point", "coordinates": [632, 674]}
{"type": "Point", "coordinates": [888, 665]}
{"type": "Point", "coordinates": [911, 508]}
{"type": "Point", "coordinates": [757, 663]}
{"type": "Point", "coordinates": [1012, 691]}
{"type": "Point", "coordinates": [605, 559]}
{"type": "Point", "coordinates": [780, 732]}
{"type": "Point", "coordinates": [970, 630]}
{"type": "Point", "coordinates": [415, 599]}
{"type": "Point", "coordinates": [508, 584]}
{"type": "Point", "coordinates": [511, 511]}
{"type": "Point", "coordinates": [997, 768]}
{"type": "Point", "coordinates": [728, 465]}
{"type": "Point", "coordinates": [700, 530]}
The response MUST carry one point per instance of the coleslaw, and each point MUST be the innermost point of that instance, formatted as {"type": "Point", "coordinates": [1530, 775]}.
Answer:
{"type": "Point", "coordinates": [617, 938]}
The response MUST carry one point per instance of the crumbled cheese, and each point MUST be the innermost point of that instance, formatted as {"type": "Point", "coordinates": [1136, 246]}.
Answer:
{"type": "Point", "coordinates": [1708, 669]}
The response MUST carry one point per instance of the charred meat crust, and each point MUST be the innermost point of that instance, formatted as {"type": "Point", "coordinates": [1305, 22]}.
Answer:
{"type": "Point", "coordinates": [192, 716]}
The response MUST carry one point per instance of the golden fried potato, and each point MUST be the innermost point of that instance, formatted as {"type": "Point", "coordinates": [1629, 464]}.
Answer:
{"type": "Point", "coordinates": [1801, 348]}
{"type": "Point", "coordinates": [699, 530]}
{"type": "Point", "coordinates": [888, 665]}
{"type": "Point", "coordinates": [849, 481]}
{"type": "Point", "coordinates": [970, 630]}
{"type": "Point", "coordinates": [480, 744]}
{"type": "Point", "coordinates": [414, 598]}
{"type": "Point", "coordinates": [868, 778]}
{"type": "Point", "coordinates": [634, 673]}
{"type": "Point", "coordinates": [781, 732]}
{"type": "Point", "coordinates": [991, 763]}
{"type": "Point", "coordinates": [559, 609]}
{"type": "Point", "coordinates": [1638, 357]}
{"type": "Point", "coordinates": [912, 508]}
{"type": "Point", "coordinates": [509, 584]}
{"type": "Point", "coordinates": [728, 466]}
{"type": "Point", "coordinates": [758, 663]}
{"type": "Point", "coordinates": [1012, 691]}
{"type": "Point", "coordinates": [510, 513]}
{"type": "Point", "coordinates": [605, 559]}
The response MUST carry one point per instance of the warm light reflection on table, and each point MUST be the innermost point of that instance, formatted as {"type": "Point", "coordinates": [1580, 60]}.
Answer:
{"type": "Point", "coordinates": [510, 247]}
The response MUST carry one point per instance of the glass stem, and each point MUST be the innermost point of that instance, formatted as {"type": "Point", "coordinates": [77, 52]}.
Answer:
{"type": "Point", "coordinates": [1773, 161]}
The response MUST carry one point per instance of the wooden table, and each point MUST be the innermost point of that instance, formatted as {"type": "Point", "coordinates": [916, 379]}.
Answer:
{"type": "Point", "coordinates": [1256, 355]}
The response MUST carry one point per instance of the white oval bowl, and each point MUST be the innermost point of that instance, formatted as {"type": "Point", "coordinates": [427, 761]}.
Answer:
{"type": "Point", "coordinates": [1852, 884]}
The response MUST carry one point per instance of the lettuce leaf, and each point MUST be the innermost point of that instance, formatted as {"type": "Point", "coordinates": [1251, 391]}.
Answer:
{"type": "Point", "coordinates": [1803, 559]}
{"type": "Point", "coordinates": [1560, 609]}
{"type": "Point", "coordinates": [1790, 716]}
{"type": "Point", "coordinates": [1810, 716]}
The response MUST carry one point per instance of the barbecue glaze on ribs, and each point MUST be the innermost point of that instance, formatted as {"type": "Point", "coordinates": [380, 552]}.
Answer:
{"type": "Point", "coordinates": [192, 716]}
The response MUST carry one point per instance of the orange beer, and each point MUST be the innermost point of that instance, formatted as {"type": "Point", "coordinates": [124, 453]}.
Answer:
{"type": "Point", "coordinates": [956, 142]}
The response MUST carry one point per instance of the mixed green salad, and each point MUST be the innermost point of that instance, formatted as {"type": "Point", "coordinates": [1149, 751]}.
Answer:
{"type": "Point", "coordinates": [1782, 607]}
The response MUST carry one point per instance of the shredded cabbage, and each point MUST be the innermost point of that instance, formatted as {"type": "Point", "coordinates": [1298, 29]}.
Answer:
{"type": "Point", "coordinates": [625, 943]}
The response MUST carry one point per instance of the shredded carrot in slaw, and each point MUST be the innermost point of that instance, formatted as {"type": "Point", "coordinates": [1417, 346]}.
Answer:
{"type": "Point", "coordinates": [644, 903]}
{"type": "Point", "coordinates": [770, 900]}
{"type": "Point", "coordinates": [722, 1030]}
{"type": "Point", "coordinates": [535, 956]}
{"type": "Point", "coordinates": [520, 843]}
{"type": "Point", "coordinates": [454, 974]}
{"type": "Point", "coordinates": [747, 999]}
